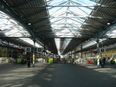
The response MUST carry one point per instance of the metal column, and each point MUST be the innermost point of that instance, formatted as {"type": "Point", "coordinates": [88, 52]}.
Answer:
{"type": "Point", "coordinates": [81, 51]}
{"type": "Point", "coordinates": [98, 47]}
{"type": "Point", "coordinates": [33, 53]}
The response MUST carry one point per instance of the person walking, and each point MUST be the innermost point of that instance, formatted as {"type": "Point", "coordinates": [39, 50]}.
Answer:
{"type": "Point", "coordinates": [28, 57]}
{"type": "Point", "coordinates": [102, 62]}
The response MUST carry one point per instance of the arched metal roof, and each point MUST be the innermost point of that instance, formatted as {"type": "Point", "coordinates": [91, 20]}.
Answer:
{"type": "Point", "coordinates": [78, 20]}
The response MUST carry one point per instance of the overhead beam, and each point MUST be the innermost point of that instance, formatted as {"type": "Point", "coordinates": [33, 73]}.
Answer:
{"type": "Point", "coordinates": [68, 6]}
{"type": "Point", "coordinates": [88, 25]}
{"type": "Point", "coordinates": [36, 13]}
{"type": "Point", "coordinates": [22, 3]}
{"type": "Point", "coordinates": [80, 4]}
{"type": "Point", "coordinates": [40, 20]}
{"type": "Point", "coordinates": [7, 9]}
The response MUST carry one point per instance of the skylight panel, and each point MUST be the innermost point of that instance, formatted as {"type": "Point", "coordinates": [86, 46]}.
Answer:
{"type": "Point", "coordinates": [3, 16]}
{"type": "Point", "coordinates": [69, 12]}
{"type": "Point", "coordinates": [85, 2]}
{"type": "Point", "coordinates": [64, 34]}
{"type": "Point", "coordinates": [57, 41]}
{"type": "Point", "coordinates": [57, 2]}
{"type": "Point", "coordinates": [73, 20]}
{"type": "Point", "coordinates": [55, 13]}
{"type": "Point", "coordinates": [78, 12]}
{"type": "Point", "coordinates": [89, 43]}
{"type": "Point", "coordinates": [30, 41]}
{"type": "Point", "coordinates": [10, 27]}
{"type": "Point", "coordinates": [112, 31]}
{"type": "Point", "coordinates": [56, 20]}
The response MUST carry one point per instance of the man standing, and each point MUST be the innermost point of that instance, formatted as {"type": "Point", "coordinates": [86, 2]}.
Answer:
{"type": "Point", "coordinates": [28, 57]}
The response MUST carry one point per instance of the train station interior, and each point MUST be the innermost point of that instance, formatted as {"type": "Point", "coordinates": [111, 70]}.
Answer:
{"type": "Point", "coordinates": [57, 43]}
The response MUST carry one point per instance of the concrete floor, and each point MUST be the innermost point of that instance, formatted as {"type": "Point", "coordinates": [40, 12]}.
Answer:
{"type": "Point", "coordinates": [55, 75]}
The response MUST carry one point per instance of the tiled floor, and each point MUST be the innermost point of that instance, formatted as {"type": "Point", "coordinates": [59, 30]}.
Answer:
{"type": "Point", "coordinates": [56, 75]}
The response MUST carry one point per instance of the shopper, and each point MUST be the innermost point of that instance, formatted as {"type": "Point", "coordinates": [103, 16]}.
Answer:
{"type": "Point", "coordinates": [98, 62]}
{"type": "Point", "coordinates": [102, 62]}
{"type": "Point", "coordinates": [28, 57]}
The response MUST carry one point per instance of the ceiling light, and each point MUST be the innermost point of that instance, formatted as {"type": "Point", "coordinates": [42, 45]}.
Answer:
{"type": "Point", "coordinates": [114, 31]}
{"type": "Point", "coordinates": [108, 23]}
{"type": "Point", "coordinates": [29, 23]}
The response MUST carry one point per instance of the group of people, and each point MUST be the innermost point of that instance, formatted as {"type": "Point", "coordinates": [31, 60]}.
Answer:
{"type": "Point", "coordinates": [30, 59]}
{"type": "Point", "coordinates": [101, 61]}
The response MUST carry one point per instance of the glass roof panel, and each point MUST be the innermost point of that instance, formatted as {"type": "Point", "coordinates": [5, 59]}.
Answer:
{"type": "Point", "coordinates": [112, 32]}
{"type": "Point", "coordinates": [10, 27]}
{"type": "Point", "coordinates": [30, 41]}
{"type": "Point", "coordinates": [86, 2]}
{"type": "Point", "coordinates": [67, 16]}
{"type": "Point", "coordinates": [57, 41]}
{"type": "Point", "coordinates": [92, 42]}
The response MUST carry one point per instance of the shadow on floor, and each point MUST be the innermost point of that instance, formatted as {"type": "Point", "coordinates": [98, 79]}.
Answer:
{"type": "Point", "coordinates": [57, 75]}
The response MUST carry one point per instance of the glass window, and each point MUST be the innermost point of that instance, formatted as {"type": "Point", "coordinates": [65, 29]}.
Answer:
{"type": "Point", "coordinates": [67, 16]}
{"type": "Point", "coordinates": [10, 27]}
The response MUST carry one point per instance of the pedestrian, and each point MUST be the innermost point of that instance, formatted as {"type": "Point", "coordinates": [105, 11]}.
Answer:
{"type": "Point", "coordinates": [102, 62]}
{"type": "Point", "coordinates": [28, 57]}
{"type": "Point", "coordinates": [98, 62]}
